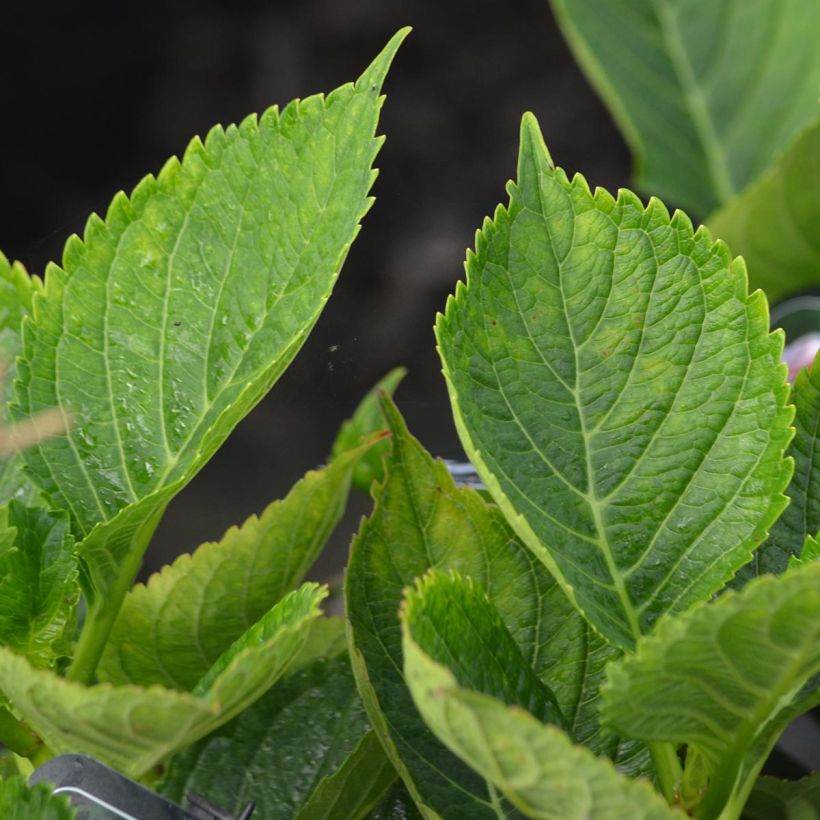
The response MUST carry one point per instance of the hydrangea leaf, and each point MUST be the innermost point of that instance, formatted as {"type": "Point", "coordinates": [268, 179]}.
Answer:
{"type": "Point", "coordinates": [619, 394]}
{"type": "Point", "coordinates": [421, 520]}
{"type": "Point", "coordinates": [171, 630]}
{"type": "Point", "coordinates": [288, 747]}
{"type": "Point", "coordinates": [718, 677]}
{"type": "Point", "coordinates": [773, 223]}
{"type": "Point", "coordinates": [534, 765]}
{"type": "Point", "coordinates": [132, 728]}
{"type": "Point", "coordinates": [367, 419]}
{"type": "Point", "coordinates": [791, 800]}
{"type": "Point", "coordinates": [39, 584]}
{"type": "Point", "coordinates": [810, 552]}
{"type": "Point", "coordinates": [174, 316]}
{"type": "Point", "coordinates": [19, 801]}
{"type": "Point", "coordinates": [801, 519]}
{"type": "Point", "coordinates": [708, 93]}
{"type": "Point", "coordinates": [397, 805]}
{"type": "Point", "coordinates": [457, 624]}
{"type": "Point", "coordinates": [17, 290]}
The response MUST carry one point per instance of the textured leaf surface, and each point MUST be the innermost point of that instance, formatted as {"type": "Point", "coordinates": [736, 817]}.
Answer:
{"type": "Point", "coordinates": [366, 420]}
{"type": "Point", "coordinates": [17, 290]}
{"type": "Point", "coordinates": [708, 92]}
{"type": "Point", "coordinates": [19, 801]}
{"type": "Point", "coordinates": [397, 805]}
{"type": "Point", "coordinates": [619, 394]}
{"type": "Point", "coordinates": [718, 676]}
{"type": "Point", "coordinates": [39, 584]}
{"type": "Point", "coordinates": [774, 223]}
{"type": "Point", "coordinates": [422, 521]}
{"type": "Point", "coordinates": [173, 317]}
{"type": "Point", "coordinates": [801, 519]}
{"type": "Point", "coordinates": [132, 728]}
{"type": "Point", "coordinates": [773, 799]}
{"type": "Point", "coordinates": [281, 749]}
{"type": "Point", "coordinates": [536, 766]}
{"type": "Point", "coordinates": [455, 624]}
{"type": "Point", "coordinates": [173, 629]}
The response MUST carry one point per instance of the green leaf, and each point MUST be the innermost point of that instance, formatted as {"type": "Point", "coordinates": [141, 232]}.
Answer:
{"type": "Point", "coordinates": [295, 743]}
{"type": "Point", "coordinates": [456, 624]}
{"type": "Point", "coordinates": [619, 394]}
{"type": "Point", "coordinates": [132, 728]}
{"type": "Point", "coordinates": [708, 92]}
{"type": "Point", "coordinates": [173, 629]}
{"type": "Point", "coordinates": [801, 519]}
{"type": "Point", "coordinates": [397, 805]}
{"type": "Point", "coordinates": [39, 584]}
{"type": "Point", "coordinates": [173, 317]}
{"type": "Point", "coordinates": [773, 799]}
{"type": "Point", "coordinates": [718, 677]}
{"type": "Point", "coordinates": [17, 290]}
{"type": "Point", "coordinates": [810, 552]}
{"type": "Point", "coordinates": [534, 765]}
{"type": "Point", "coordinates": [773, 223]}
{"type": "Point", "coordinates": [421, 520]}
{"type": "Point", "coordinates": [19, 801]}
{"type": "Point", "coordinates": [367, 419]}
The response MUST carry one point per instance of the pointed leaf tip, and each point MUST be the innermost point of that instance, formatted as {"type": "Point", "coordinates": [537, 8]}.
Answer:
{"type": "Point", "coordinates": [532, 145]}
{"type": "Point", "coordinates": [373, 76]}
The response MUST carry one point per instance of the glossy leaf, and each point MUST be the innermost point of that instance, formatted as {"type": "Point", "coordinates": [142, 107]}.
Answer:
{"type": "Point", "coordinates": [172, 630]}
{"type": "Point", "coordinates": [708, 92]}
{"type": "Point", "coordinates": [19, 801]}
{"type": "Point", "coordinates": [366, 420]}
{"type": "Point", "coordinates": [133, 728]}
{"type": "Point", "coordinates": [718, 677]}
{"type": "Point", "coordinates": [422, 521]}
{"type": "Point", "coordinates": [619, 394]}
{"type": "Point", "coordinates": [17, 290]}
{"type": "Point", "coordinates": [292, 742]}
{"type": "Point", "coordinates": [396, 805]}
{"type": "Point", "coordinates": [773, 799]}
{"type": "Point", "coordinates": [534, 765]}
{"type": "Point", "coordinates": [172, 318]}
{"type": "Point", "coordinates": [39, 584]}
{"type": "Point", "coordinates": [773, 223]}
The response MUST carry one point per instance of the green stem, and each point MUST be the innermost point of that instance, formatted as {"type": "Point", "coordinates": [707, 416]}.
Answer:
{"type": "Point", "coordinates": [15, 735]}
{"type": "Point", "coordinates": [668, 768]}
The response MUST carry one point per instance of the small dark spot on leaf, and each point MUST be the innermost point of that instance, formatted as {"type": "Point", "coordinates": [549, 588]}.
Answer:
{"type": "Point", "coordinates": [493, 323]}
{"type": "Point", "coordinates": [177, 322]}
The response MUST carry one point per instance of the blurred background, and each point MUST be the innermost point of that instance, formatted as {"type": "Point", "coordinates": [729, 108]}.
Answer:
{"type": "Point", "coordinates": [95, 95]}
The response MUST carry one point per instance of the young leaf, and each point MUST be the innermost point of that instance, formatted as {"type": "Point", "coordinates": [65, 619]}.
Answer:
{"type": "Point", "coordinates": [173, 629]}
{"type": "Point", "coordinates": [367, 419]}
{"type": "Point", "coordinates": [772, 798]}
{"type": "Point", "coordinates": [19, 801]}
{"type": "Point", "coordinates": [801, 519]}
{"type": "Point", "coordinates": [306, 735]}
{"type": "Point", "coordinates": [773, 223]}
{"type": "Point", "coordinates": [717, 677]}
{"type": "Point", "coordinates": [173, 317]}
{"type": "Point", "coordinates": [133, 728]}
{"type": "Point", "coordinates": [534, 765]}
{"type": "Point", "coordinates": [422, 521]}
{"type": "Point", "coordinates": [457, 624]}
{"type": "Point", "coordinates": [17, 290]}
{"type": "Point", "coordinates": [619, 394]}
{"type": "Point", "coordinates": [39, 584]}
{"type": "Point", "coordinates": [708, 92]}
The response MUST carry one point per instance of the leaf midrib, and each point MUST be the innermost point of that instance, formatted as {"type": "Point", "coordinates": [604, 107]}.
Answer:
{"type": "Point", "coordinates": [695, 99]}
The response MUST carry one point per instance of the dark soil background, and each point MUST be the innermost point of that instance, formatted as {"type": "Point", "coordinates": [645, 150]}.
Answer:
{"type": "Point", "coordinates": [95, 96]}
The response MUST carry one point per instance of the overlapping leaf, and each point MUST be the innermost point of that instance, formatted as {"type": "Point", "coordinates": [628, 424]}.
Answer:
{"type": "Point", "coordinates": [307, 737]}
{"type": "Point", "coordinates": [772, 798]}
{"type": "Point", "coordinates": [19, 801]}
{"type": "Point", "coordinates": [39, 584]}
{"type": "Point", "coordinates": [173, 629]}
{"type": "Point", "coordinates": [534, 765]}
{"type": "Point", "coordinates": [619, 394]}
{"type": "Point", "coordinates": [422, 521]}
{"type": "Point", "coordinates": [719, 677]}
{"type": "Point", "coordinates": [172, 318]}
{"type": "Point", "coordinates": [132, 728]}
{"type": "Point", "coordinates": [708, 91]}
{"type": "Point", "coordinates": [773, 224]}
